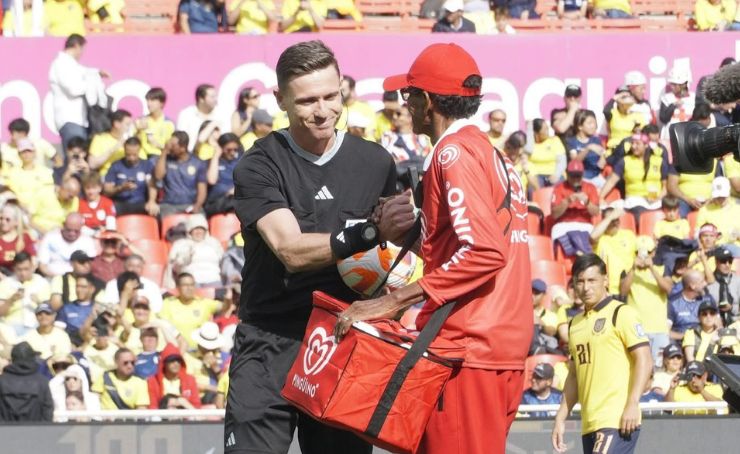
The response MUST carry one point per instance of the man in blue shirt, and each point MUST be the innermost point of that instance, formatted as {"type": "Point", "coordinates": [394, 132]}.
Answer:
{"type": "Point", "coordinates": [127, 180]}
{"type": "Point", "coordinates": [541, 392]}
{"type": "Point", "coordinates": [74, 314]}
{"type": "Point", "coordinates": [683, 310]}
{"type": "Point", "coordinates": [220, 175]}
{"type": "Point", "coordinates": [181, 175]}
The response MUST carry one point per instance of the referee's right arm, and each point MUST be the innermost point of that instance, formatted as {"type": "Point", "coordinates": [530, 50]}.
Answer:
{"type": "Point", "coordinates": [570, 398]}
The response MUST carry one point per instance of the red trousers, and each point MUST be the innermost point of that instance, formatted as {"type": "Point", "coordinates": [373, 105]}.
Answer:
{"type": "Point", "coordinates": [478, 407]}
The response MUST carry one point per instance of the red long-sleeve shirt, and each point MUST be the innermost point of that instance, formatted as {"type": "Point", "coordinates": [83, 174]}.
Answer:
{"type": "Point", "coordinates": [468, 257]}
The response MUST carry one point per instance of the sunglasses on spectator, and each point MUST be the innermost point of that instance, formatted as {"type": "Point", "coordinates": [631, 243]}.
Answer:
{"type": "Point", "coordinates": [724, 260]}
{"type": "Point", "coordinates": [70, 378]}
{"type": "Point", "coordinates": [60, 366]}
{"type": "Point", "coordinates": [705, 313]}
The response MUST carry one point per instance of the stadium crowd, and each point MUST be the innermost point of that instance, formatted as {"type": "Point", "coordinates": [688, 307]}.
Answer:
{"type": "Point", "coordinates": [64, 17]}
{"type": "Point", "coordinates": [121, 257]}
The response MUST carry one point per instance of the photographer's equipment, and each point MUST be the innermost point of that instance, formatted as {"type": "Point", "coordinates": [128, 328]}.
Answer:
{"type": "Point", "coordinates": [695, 147]}
{"type": "Point", "coordinates": [727, 369]}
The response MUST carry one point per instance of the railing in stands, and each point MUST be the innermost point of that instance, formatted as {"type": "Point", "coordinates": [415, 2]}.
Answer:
{"type": "Point", "coordinates": [216, 414]}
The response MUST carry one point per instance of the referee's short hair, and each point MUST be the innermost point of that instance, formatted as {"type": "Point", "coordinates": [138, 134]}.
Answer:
{"type": "Point", "coordinates": [303, 58]}
{"type": "Point", "coordinates": [586, 261]}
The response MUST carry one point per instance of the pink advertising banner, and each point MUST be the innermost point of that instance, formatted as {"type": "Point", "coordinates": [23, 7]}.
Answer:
{"type": "Point", "coordinates": [523, 74]}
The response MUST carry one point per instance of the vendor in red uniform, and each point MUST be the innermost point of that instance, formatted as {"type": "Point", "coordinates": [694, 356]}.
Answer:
{"type": "Point", "coordinates": [474, 245]}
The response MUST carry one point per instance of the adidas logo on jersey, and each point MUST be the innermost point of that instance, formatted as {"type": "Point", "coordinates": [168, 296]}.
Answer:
{"type": "Point", "coordinates": [231, 441]}
{"type": "Point", "coordinates": [324, 194]}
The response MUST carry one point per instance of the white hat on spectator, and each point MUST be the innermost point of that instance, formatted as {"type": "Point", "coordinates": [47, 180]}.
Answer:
{"type": "Point", "coordinates": [453, 5]}
{"type": "Point", "coordinates": [196, 220]}
{"type": "Point", "coordinates": [357, 120]}
{"type": "Point", "coordinates": [208, 336]}
{"type": "Point", "coordinates": [678, 75]}
{"type": "Point", "coordinates": [25, 144]}
{"type": "Point", "coordinates": [634, 78]}
{"type": "Point", "coordinates": [720, 187]}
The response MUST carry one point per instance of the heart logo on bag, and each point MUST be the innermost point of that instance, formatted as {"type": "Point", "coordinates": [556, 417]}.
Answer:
{"type": "Point", "coordinates": [318, 352]}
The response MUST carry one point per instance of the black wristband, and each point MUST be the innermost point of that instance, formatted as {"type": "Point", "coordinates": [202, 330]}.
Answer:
{"type": "Point", "coordinates": [356, 238]}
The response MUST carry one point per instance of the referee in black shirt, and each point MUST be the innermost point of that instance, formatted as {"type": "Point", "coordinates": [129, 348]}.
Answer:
{"type": "Point", "coordinates": [303, 196]}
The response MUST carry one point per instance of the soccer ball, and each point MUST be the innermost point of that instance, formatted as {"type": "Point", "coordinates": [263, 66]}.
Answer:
{"type": "Point", "coordinates": [364, 271]}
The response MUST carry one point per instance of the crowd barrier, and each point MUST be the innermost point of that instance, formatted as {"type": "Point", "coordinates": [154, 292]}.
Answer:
{"type": "Point", "coordinates": [524, 74]}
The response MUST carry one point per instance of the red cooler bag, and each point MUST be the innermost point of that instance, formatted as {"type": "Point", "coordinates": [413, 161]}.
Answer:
{"type": "Point", "coordinates": [381, 382]}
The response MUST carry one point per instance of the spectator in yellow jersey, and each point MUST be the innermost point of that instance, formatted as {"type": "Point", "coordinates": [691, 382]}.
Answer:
{"type": "Point", "coordinates": [714, 15]}
{"type": "Point", "coordinates": [253, 17]}
{"type": "Point", "coordinates": [21, 294]}
{"type": "Point", "coordinates": [693, 388]}
{"type": "Point", "coordinates": [154, 129]}
{"type": "Point", "coordinates": [187, 312]}
{"type": "Point", "coordinates": [106, 11]}
{"type": "Point", "coordinates": [241, 119]}
{"type": "Point", "coordinates": [107, 147]}
{"type": "Point", "coordinates": [612, 9]}
{"type": "Point", "coordinates": [496, 124]}
{"type": "Point", "coordinates": [623, 120]}
{"type": "Point", "coordinates": [303, 15]}
{"type": "Point", "coordinates": [646, 289]}
{"type": "Point", "coordinates": [120, 389]}
{"type": "Point", "coordinates": [723, 212]}
{"type": "Point", "coordinates": [64, 18]}
{"type": "Point", "coordinates": [358, 125]}
{"type": "Point", "coordinates": [672, 364]}
{"type": "Point", "coordinates": [384, 117]}
{"type": "Point", "coordinates": [702, 259]}
{"type": "Point", "coordinates": [353, 104]}
{"type": "Point", "coordinates": [207, 140]}
{"type": "Point", "coordinates": [100, 350]}
{"type": "Point", "coordinates": [615, 245]}
{"type": "Point", "coordinates": [672, 224]}
{"type": "Point", "coordinates": [545, 321]}
{"type": "Point", "coordinates": [343, 9]}
{"type": "Point", "coordinates": [702, 341]}
{"type": "Point", "coordinates": [547, 161]}
{"type": "Point", "coordinates": [19, 129]}
{"type": "Point", "coordinates": [48, 339]}
{"type": "Point", "coordinates": [729, 343]}
{"type": "Point", "coordinates": [205, 362]}
{"type": "Point", "coordinates": [610, 366]}
{"type": "Point", "coordinates": [25, 18]}
{"type": "Point", "coordinates": [262, 123]}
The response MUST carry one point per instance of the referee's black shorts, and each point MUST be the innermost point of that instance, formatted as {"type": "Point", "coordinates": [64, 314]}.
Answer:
{"type": "Point", "coordinates": [258, 420]}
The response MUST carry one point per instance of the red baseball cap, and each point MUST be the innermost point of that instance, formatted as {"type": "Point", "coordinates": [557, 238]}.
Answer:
{"type": "Point", "coordinates": [575, 167]}
{"type": "Point", "coordinates": [440, 69]}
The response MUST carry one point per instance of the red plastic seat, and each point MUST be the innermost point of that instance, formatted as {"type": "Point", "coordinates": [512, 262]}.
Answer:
{"type": "Point", "coordinates": [533, 224]}
{"type": "Point", "coordinates": [550, 271]}
{"type": "Point", "coordinates": [540, 248]}
{"type": "Point", "coordinates": [172, 220]}
{"type": "Point", "coordinates": [692, 223]}
{"type": "Point", "coordinates": [138, 227]}
{"type": "Point", "coordinates": [648, 219]}
{"type": "Point", "coordinates": [224, 226]}
{"type": "Point", "coordinates": [543, 198]}
{"type": "Point", "coordinates": [154, 272]}
{"type": "Point", "coordinates": [153, 251]}
{"type": "Point", "coordinates": [534, 360]}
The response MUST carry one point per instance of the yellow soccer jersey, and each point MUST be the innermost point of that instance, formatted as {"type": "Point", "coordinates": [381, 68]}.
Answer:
{"type": "Point", "coordinates": [45, 152]}
{"type": "Point", "coordinates": [682, 393]}
{"type": "Point", "coordinates": [158, 130]}
{"type": "Point", "coordinates": [618, 251]}
{"type": "Point", "coordinates": [649, 300]}
{"type": "Point", "coordinates": [697, 186]}
{"type": "Point", "coordinates": [100, 360]}
{"type": "Point", "coordinates": [600, 344]}
{"type": "Point", "coordinates": [248, 140]}
{"type": "Point", "coordinates": [706, 340]}
{"type": "Point", "coordinates": [113, 11]}
{"type": "Point", "coordinates": [637, 183]}
{"type": "Point", "coordinates": [101, 144]}
{"type": "Point", "coordinates": [382, 125]}
{"type": "Point", "coordinates": [726, 218]}
{"type": "Point", "coordinates": [359, 108]}
{"type": "Point", "coordinates": [679, 228]}
{"type": "Point", "coordinates": [621, 125]}
{"type": "Point", "coordinates": [187, 318]}
{"type": "Point", "coordinates": [303, 18]}
{"type": "Point", "coordinates": [64, 17]}
{"type": "Point", "coordinates": [732, 167]}
{"type": "Point", "coordinates": [252, 18]}
{"type": "Point", "coordinates": [548, 318]}
{"type": "Point", "coordinates": [223, 385]}
{"type": "Point", "coordinates": [622, 5]}
{"type": "Point", "coordinates": [133, 392]}
{"type": "Point", "coordinates": [545, 155]}
{"type": "Point", "coordinates": [30, 186]}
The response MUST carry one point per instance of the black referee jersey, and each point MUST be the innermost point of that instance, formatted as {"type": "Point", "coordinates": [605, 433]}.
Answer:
{"type": "Point", "coordinates": [324, 193]}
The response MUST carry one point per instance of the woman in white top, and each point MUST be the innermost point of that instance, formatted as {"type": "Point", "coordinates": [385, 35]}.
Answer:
{"type": "Point", "coordinates": [199, 254]}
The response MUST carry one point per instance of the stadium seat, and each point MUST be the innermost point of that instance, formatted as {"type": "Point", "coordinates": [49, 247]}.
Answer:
{"type": "Point", "coordinates": [223, 226]}
{"type": "Point", "coordinates": [534, 360]}
{"type": "Point", "coordinates": [560, 257]}
{"type": "Point", "coordinates": [138, 227]}
{"type": "Point", "coordinates": [613, 196]}
{"type": "Point", "coordinates": [648, 219]}
{"type": "Point", "coordinates": [549, 271]}
{"type": "Point", "coordinates": [540, 248]}
{"type": "Point", "coordinates": [153, 251]}
{"type": "Point", "coordinates": [693, 228]}
{"type": "Point", "coordinates": [171, 221]}
{"type": "Point", "coordinates": [341, 25]}
{"type": "Point", "coordinates": [543, 198]}
{"type": "Point", "coordinates": [627, 221]}
{"type": "Point", "coordinates": [533, 224]}
{"type": "Point", "coordinates": [154, 272]}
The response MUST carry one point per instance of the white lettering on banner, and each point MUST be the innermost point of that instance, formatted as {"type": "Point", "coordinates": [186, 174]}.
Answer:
{"type": "Point", "coordinates": [319, 351]}
{"type": "Point", "coordinates": [29, 99]}
{"type": "Point", "coordinates": [303, 385]}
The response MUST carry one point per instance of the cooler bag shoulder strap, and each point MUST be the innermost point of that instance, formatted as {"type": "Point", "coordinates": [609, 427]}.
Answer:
{"type": "Point", "coordinates": [412, 356]}
{"type": "Point", "coordinates": [113, 392]}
